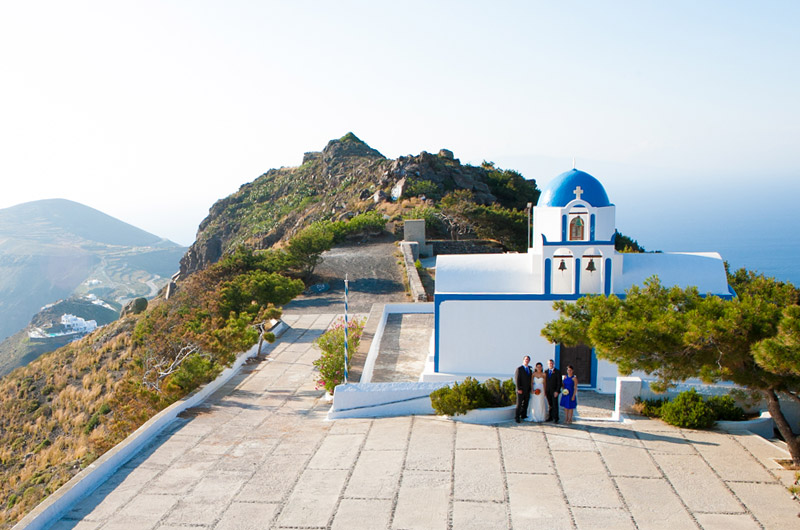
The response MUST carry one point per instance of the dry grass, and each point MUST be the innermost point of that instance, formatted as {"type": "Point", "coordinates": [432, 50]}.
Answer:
{"type": "Point", "coordinates": [47, 431]}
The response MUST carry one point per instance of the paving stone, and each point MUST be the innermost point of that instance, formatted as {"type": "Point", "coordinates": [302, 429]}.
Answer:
{"type": "Point", "coordinates": [376, 475]}
{"type": "Point", "coordinates": [469, 436]}
{"type": "Point", "coordinates": [388, 434]}
{"type": "Point", "coordinates": [585, 480]}
{"type": "Point", "coordinates": [654, 505]}
{"type": "Point", "coordinates": [536, 501]}
{"type": "Point", "coordinates": [724, 521]}
{"type": "Point", "coordinates": [145, 510]}
{"type": "Point", "coordinates": [668, 442]}
{"type": "Point", "coordinates": [274, 479]}
{"type": "Point", "coordinates": [478, 476]}
{"type": "Point", "coordinates": [431, 445]}
{"type": "Point", "coordinates": [762, 450]}
{"type": "Point", "coordinates": [479, 515]}
{"type": "Point", "coordinates": [206, 501]}
{"type": "Point", "coordinates": [623, 453]}
{"type": "Point", "coordinates": [116, 492]}
{"type": "Point", "coordinates": [525, 450]}
{"type": "Point", "coordinates": [602, 519]}
{"type": "Point", "coordinates": [697, 484]}
{"type": "Point", "coordinates": [338, 451]}
{"type": "Point", "coordinates": [247, 516]}
{"type": "Point", "coordinates": [769, 503]}
{"type": "Point", "coordinates": [300, 443]}
{"type": "Point", "coordinates": [313, 499]}
{"type": "Point", "coordinates": [563, 438]}
{"type": "Point", "coordinates": [351, 426]}
{"type": "Point", "coordinates": [362, 513]}
{"type": "Point", "coordinates": [423, 500]}
{"type": "Point", "coordinates": [175, 481]}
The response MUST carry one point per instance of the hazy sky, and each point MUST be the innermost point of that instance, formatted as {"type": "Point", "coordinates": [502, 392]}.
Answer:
{"type": "Point", "coordinates": [151, 111]}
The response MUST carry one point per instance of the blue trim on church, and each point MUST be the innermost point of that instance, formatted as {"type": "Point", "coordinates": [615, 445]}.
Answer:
{"type": "Point", "coordinates": [564, 241]}
{"type": "Point", "coordinates": [547, 275]}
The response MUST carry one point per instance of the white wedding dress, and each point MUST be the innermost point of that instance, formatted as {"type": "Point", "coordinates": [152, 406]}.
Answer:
{"type": "Point", "coordinates": [537, 408]}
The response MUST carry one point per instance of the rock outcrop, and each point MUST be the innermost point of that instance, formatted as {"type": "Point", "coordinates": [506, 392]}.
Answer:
{"type": "Point", "coordinates": [346, 176]}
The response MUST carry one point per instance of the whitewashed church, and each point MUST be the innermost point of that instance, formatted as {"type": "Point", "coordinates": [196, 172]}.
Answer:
{"type": "Point", "coordinates": [490, 308]}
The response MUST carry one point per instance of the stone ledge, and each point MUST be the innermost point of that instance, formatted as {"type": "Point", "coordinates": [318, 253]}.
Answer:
{"type": "Point", "coordinates": [414, 282]}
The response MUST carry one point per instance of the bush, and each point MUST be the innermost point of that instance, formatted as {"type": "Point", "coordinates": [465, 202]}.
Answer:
{"type": "Point", "coordinates": [331, 362]}
{"type": "Point", "coordinates": [725, 408]}
{"type": "Point", "coordinates": [470, 394]}
{"type": "Point", "coordinates": [688, 410]}
{"type": "Point", "coordinates": [194, 371]}
{"type": "Point", "coordinates": [650, 407]}
{"type": "Point", "coordinates": [427, 188]}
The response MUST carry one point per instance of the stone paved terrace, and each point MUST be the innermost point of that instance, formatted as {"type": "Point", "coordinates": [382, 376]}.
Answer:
{"type": "Point", "coordinates": [260, 454]}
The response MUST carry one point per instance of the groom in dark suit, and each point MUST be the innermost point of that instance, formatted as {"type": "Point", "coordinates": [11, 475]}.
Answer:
{"type": "Point", "coordinates": [553, 383]}
{"type": "Point", "coordinates": [522, 378]}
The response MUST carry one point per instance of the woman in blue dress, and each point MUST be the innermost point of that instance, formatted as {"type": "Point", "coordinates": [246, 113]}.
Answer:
{"type": "Point", "coordinates": [569, 397]}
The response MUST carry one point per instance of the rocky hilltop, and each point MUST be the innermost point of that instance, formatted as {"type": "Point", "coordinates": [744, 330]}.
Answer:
{"type": "Point", "coordinates": [345, 178]}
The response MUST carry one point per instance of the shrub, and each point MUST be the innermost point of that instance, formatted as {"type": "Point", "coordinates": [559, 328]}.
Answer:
{"type": "Point", "coordinates": [427, 188]}
{"type": "Point", "coordinates": [432, 220]}
{"type": "Point", "coordinates": [725, 408]}
{"type": "Point", "coordinates": [195, 370]}
{"type": "Point", "coordinates": [650, 407]}
{"type": "Point", "coordinates": [470, 394]}
{"type": "Point", "coordinates": [688, 410]}
{"type": "Point", "coordinates": [331, 362]}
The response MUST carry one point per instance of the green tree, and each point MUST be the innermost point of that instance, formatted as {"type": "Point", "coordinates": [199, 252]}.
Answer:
{"type": "Point", "coordinates": [456, 209]}
{"type": "Point", "coordinates": [675, 334]}
{"type": "Point", "coordinates": [305, 249]}
{"type": "Point", "coordinates": [510, 187]}
{"type": "Point", "coordinates": [623, 243]}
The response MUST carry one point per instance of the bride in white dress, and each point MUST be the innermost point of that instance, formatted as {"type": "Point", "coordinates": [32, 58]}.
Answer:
{"type": "Point", "coordinates": [537, 409]}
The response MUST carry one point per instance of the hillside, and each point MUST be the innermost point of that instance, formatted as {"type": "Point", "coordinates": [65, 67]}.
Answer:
{"type": "Point", "coordinates": [66, 408]}
{"type": "Point", "coordinates": [52, 249]}
{"type": "Point", "coordinates": [345, 178]}
{"type": "Point", "coordinates": [46, 331]}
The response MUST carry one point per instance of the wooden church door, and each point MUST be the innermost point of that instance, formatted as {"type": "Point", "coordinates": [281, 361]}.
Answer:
{"type": "Point", "coordinates": [580, 357]}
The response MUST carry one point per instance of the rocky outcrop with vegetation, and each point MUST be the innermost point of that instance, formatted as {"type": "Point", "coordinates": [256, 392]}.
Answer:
{"type": "Point", "coordinates": [346, 178]}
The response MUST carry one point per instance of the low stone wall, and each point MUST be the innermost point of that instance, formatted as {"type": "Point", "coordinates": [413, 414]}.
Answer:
{"type": "Point", "coordinates": [414, 282]}
{"type": "Point", "coordinates": [375, 400]}
{"type": "Point", "coordinates": [470, 246]}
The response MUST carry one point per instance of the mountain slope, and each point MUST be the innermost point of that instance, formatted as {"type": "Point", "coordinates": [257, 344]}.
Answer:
{"type": "Point", "coordinates": [53, 248]}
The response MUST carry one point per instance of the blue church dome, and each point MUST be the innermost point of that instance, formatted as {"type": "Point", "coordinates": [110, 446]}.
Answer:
{"type": "Point", "coordinates": [561, 190]}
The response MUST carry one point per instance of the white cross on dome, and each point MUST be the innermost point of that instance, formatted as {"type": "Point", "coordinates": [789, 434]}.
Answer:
{"type": "Point", "coordinates": [578, 191]}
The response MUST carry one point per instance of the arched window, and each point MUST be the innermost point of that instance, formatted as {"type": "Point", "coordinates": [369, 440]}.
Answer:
{"type": "Point", "coordinates": [576, 229]}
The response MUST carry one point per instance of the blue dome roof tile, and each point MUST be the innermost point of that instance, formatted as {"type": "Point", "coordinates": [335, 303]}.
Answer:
{"type": "Point", "coordinates": [561, 190]}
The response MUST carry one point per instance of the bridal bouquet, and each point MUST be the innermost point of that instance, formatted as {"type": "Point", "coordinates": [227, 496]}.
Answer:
{"type": "Point", "coordinates": [536, 392]}
{"type": "Point", "coordinates": [565, 392]}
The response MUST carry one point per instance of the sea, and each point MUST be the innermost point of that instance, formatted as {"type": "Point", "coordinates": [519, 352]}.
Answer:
{"type": "Point", "coordinates": [752, 229]}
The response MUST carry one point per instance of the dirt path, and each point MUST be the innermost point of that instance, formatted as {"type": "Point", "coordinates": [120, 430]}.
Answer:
{"type": "Point", "coordinates": [373, 273]}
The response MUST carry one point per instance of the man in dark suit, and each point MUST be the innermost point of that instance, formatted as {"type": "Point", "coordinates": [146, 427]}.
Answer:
{"type": "Point", "coordinates": [553, 389]}
{"type": "Point", "coordinates": [522, 378]}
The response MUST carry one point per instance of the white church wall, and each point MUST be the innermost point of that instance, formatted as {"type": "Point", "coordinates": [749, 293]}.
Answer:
{"type": "Point", "coordinates": [546, 221]}
{"type": "Point", "coordinates": [494, 339]}
{"type": "Point", "coordinates": [605, 223]}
